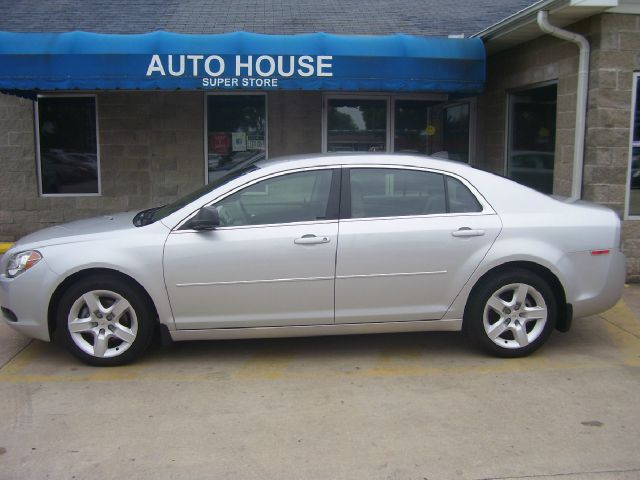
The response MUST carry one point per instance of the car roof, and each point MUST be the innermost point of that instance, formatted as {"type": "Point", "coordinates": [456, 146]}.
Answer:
{"type": "Point", "coordinates": [330, 159]}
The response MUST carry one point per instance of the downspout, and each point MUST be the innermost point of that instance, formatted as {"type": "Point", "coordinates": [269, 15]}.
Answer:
{"type": "Point", "coordinates": [581, 97]}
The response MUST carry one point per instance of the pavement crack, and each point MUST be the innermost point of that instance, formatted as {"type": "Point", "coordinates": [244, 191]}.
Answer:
{"type": "Point", "coordinates": [621, 328]}
{"type": "Point", "coordinates": [560, 475]}
{"type": "Point", "coordinates": [16, 354]}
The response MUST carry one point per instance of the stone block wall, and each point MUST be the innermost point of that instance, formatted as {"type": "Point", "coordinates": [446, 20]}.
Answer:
{"type": "Point", "coordinates": [615, 43]}
{"type": "Point", "coordinates": [151, 152]}
{"type": "Point", "coordinates": [295, 122]}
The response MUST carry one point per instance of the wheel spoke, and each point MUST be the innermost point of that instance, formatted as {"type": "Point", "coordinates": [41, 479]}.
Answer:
{"type": "Point", "coordinates": [123, 333]}
{"type": "Point", "coordinates": [520, 333]}
{"type": "Point", "coordinates": [497, 329]}
{"type": "Point", "coordinates": [80, 325]}
{"type": "Point", "coordinates": [100, 344]}
{"type": "Point", "coordinates": [520, 294]}
{"type": "Point", "coordinates": [534, 313]}
{"type": "Point", "coordinates": [497, 304]}
{"type": "Point", "coordinates": [118, 308]}
{"type": "Point", "coordinates": [93, 302]}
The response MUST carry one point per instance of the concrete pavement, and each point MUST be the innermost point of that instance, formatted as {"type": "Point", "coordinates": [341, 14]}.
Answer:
{"type": "Point", "coordinates": [405, 406]}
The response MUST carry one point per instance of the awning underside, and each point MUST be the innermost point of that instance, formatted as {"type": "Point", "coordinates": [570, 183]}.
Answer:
{"type": "Point", "coordinates": [240, 60]}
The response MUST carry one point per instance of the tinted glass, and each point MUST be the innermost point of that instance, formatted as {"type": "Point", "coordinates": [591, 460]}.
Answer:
{"type": "Point", "coordinates": [236, 132]}
{"type": "Point", "coordinates": [296, 197]}
{"type": "Point", "coordinates": [461, 200]}
{"type": "Point", "coordinates": [455, 134]}
{"type": "Point", "coordinates": [356, 125]}
{"type": "Point", "coordinates": [532, 137]}
{"type": "Point", "coordinates": [390, 193]}
{"type": "Point", "coordinates": [411, 122]}
{"type": "Point", "coordinates": [68, 145]}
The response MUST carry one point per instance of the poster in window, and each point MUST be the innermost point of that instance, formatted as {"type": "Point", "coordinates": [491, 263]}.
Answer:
{"type": "Point", "coordinates": [219, 143]}
{"type": "Point", "coordinates": [239, 141]}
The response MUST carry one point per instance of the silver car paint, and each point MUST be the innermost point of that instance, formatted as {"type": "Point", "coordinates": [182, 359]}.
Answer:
{"type": "Point", "coordinates": [535, 228]}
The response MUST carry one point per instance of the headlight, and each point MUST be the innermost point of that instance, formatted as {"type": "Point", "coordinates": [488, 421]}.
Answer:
{"type": "Point", "coordinates": [21, 262]}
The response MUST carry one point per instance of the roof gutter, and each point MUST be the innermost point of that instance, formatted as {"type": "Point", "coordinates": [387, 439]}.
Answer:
{"type": "Point", "coordinates": [518, 19]}
{"type": "Point", "coordinates": [581, 94]}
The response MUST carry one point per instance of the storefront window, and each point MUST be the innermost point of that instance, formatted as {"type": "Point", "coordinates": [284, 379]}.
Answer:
{"type": "Point", "coordinates": [68, 146]}
{"type": "Point", "coordinates": [356, 125]}
{"type": "Point", "coordinates": [236, 132]}
{"type": "Point", "coordinates": [532, 137]}
{"type": "Point", "coordinates": [455, 132]}
{"type": "Point", "coordinates": [411, 126]}
{"type": "Point", "coordinates": [633, 207]}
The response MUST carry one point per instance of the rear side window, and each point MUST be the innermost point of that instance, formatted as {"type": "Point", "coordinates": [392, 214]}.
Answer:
{"type": "Point", "coordinates": [386, 192]}
{"type": "Point", "coordinates": [461, 200]}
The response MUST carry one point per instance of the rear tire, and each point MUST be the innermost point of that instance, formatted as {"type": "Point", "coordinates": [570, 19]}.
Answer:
{"type": "Point", "coordinates": [105, 321]}
{"type": "Point", "coordinates": [511, 314]}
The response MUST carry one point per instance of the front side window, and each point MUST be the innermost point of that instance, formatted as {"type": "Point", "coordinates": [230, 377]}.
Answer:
{"type": "Point", "coordinates": [633, 206]}
{"type": "Point", "coordinates": [68, 146]}
{"type": "Point", "coordinates": [236, 132]}
{"type": "Point", "coordinates": [294, 197]}
{"type": "Point", "coordinates": [385, 192]}
{"type": "Point", "coordinates": [356, 125]}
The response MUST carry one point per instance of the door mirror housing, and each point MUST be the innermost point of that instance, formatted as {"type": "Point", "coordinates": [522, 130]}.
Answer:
{"type": "Point", "coordinates": [207, 218]}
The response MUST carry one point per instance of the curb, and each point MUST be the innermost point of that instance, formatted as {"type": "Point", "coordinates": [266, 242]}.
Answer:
{"type": "Point", "coordinates": [4, 246]}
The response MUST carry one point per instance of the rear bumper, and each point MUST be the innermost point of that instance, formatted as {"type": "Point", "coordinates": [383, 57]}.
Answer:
{"type": "Point", "coordinates": [599, 282]}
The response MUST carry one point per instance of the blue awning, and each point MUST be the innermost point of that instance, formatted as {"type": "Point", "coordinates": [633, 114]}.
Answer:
{"type": "Point", "coordinates": [239, 61]}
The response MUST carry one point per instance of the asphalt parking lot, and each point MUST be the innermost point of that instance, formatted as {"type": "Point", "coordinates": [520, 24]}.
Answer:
{"type": "Point", "coordinates": [404, 406]}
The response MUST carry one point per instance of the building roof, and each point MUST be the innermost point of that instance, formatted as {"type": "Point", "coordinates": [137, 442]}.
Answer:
{"type": "Point", "coordinates": [375, 17]}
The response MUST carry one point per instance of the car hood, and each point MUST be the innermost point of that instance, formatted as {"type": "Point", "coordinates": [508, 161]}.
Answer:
{"type": "Point", "coordinates": [78, 231]}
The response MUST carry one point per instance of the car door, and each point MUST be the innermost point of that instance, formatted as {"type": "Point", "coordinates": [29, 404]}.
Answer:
{"type": "Point", "coordinates": [409, 240]}
{"type": "Point", "coordinates": [270, 263]}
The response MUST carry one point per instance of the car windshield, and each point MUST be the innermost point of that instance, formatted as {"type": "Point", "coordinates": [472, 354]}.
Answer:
{"type": "Point", "coordinates": [162, 212]}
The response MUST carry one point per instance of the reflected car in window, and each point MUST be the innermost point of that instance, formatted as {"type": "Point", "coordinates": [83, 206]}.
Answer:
{"type": "Point", "coordinates": [320, 245]}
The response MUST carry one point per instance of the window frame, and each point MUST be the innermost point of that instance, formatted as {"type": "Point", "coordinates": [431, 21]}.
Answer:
{"type": "Point", "coordinates": [345, 195]}
{"type": "Point", "coordinates": [36, 113]}
{"type": "Point", "coordinates": [391, 105]}
{"type": "Point", "coordinates": [627, 196]}
{"type": "Point", "coordinates": [205, 132]}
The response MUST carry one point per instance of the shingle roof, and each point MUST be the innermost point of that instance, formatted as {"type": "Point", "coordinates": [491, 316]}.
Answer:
{"type": "Point", "coordinates": [379, 17]}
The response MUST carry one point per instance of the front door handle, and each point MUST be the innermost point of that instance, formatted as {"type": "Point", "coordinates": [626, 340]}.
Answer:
{"type": "Point", "coordinates": [310, 239]}
{"type": "Point", "coordinates": [467, 232]}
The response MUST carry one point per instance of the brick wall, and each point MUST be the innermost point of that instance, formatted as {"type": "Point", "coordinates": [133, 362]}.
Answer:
{"type": "Point", "coordinates": [151, 151]}
{"type": "Point", "coordinates": [615, 43]}
{"type": "Point", "coordinates": [295, 123]}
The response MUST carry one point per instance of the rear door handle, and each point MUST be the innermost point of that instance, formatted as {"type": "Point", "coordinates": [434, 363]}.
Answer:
{"type": "Point", "coordinates": [467, 232]}
{"type": "Point", "coordinates": [310, 239]}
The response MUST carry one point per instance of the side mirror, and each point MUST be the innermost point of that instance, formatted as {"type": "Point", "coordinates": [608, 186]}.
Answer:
{"type": "Point", "coordinates": [207, 218]}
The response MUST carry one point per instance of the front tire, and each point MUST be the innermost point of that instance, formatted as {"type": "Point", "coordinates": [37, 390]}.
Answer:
{"type": "Point", "coordinates": [105, 321]}
{"type": "Point", "coordinates": [511, 314]}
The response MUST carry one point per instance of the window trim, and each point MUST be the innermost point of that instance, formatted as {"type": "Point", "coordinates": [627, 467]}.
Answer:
{"type": "Point", "coordinates": [36, 113]}
{"type": "Point", "coordinates": [205, 133]}
{"type": "Point", "coordinates": [391, 104]}
{"type": "Point", "coordinates": [345, 204]}
{"type": "Point", "coordinates": [627, 196]}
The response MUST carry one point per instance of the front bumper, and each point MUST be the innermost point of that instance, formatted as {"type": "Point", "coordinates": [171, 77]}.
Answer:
{"type": "Point", "coordinates": [27, 297]}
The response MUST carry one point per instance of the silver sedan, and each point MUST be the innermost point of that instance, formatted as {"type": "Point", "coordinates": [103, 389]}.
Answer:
{"type": "Point", "coordinates": [321, 245]}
